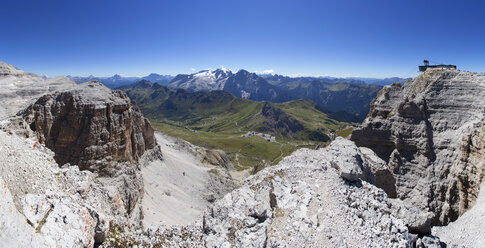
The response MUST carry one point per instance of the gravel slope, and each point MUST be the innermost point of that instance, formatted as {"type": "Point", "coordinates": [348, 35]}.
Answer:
{"type": "Point", "coordinates": [178, 189]}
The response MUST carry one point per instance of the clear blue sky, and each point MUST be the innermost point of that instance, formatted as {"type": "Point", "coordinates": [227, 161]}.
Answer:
{"type": "Point", "coordinates": [336, 38]}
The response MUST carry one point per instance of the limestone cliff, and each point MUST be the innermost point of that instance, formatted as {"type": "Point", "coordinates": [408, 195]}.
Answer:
{"type": "Point", "coordinates": [430, 131]}
{"type": "Point", "coordinates": [91, 126]}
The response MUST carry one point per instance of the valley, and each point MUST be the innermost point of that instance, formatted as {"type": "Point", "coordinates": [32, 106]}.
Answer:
{"type": "Point", "coordinates": [219, 120]}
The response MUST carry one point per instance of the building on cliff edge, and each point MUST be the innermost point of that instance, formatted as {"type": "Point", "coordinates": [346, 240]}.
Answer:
{"type": "Point", "coordinates": [427, 65]}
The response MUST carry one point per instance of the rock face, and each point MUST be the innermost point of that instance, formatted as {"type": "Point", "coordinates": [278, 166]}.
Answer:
{"type": "Point", "coordinates": [91, 126]}
{"type": "Point", "coordinates": [218, 158]}
{"type": "Point", "coordinates": [467, 230]}
{"type": "Point", "coordinates": [431, 133]}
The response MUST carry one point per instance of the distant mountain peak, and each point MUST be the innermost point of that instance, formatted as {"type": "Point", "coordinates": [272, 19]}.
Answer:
{"type": "Point", "coordinates": [224, 69]}
{"type": "Point", "coordinates": [242, 71]}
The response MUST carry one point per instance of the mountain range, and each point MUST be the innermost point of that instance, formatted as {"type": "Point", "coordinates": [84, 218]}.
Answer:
{"type": "Point", "coordinates": [334, 95]}
{"type": "Point", "coordinates": [344, 95]}
{"type": "Point", "coordinates": [220, 111]}
{"type": "Point", "coordinates": [242, 84]}
{"type": "Point", "coordinates": [118, 80]}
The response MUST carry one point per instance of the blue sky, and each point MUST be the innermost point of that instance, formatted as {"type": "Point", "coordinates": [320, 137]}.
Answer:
{"type": "Point", "coordinates": [336, 38]}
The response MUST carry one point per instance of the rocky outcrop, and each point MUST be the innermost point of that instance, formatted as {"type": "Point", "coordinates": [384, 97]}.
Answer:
{"type": "Point", "coordinates": [302, 201]}
{"type": "Point", "coordinates": [10, 70]}
{"type": "Point", "coordinates": [353, 163]}
{"type": "Point", "coordinates": [218, 158]}
{"type": "Point", "coordinates": [430, 132]}
{"type": "Point", "coordinates": [91, 126]}
{"type": "Point", "coordinates": [468, 230]}
{"type": "Point", "coordinates": [50, 201]}
{"type": "Point", "coordinates": [308, 199]}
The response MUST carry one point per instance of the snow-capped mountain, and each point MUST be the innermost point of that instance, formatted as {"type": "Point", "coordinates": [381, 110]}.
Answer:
{"type": "Point", "coordinates": [242, 84]}
{"type": "Point", "coordinates": [206, 80]}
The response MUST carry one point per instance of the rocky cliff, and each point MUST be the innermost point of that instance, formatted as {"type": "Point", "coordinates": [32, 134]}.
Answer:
{"type": "Point", "coordinates": [91, 126]}
{"type": "Point", "coordinates": [430, 131]}
{"type": "Point", "coordinates": [69, 162]}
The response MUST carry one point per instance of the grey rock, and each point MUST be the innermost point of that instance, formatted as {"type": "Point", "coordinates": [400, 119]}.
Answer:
{"type": "Point", "coordinates": [430, 132]}
{"type": "Point", "coordinates": [91, 126]}
{"type": "Point", "coordinates": [344, 156]}
{"type": "Point", "coordinates": [354, 163]}
{"type": "Point", "coordinates": [304, 200]}
{"type": "Point", "coordinates": [217, 158]}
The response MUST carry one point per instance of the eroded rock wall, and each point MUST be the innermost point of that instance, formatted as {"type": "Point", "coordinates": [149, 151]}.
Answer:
{"type": "Point", "coordinates": [430, 132]}
{"type": "Point", "coordinates": [91, 126]}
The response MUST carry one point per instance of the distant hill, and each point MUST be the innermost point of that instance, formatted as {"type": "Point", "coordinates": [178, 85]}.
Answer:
{"type": "Point", "coordinates": [382, 81]}
{"type": "Point", "coordinates": [336, 95]}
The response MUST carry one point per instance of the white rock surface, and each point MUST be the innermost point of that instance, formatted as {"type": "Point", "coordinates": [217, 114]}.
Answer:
{"type": "Point", "coordinates": [33, 194]}
{"type": "Point", "coordinates": [344, 156]}
{"type": "Point", "coordinates": [49, 206]}
{"type": "Point", "coordinates": [14, 230]}
{"type": "Point", "coordinates": [303, 200]}
{"type": "Point", "coordinates": [20, 89]}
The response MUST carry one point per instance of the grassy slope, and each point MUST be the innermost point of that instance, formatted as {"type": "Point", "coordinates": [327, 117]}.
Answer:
{"type": "Point", "coordinates": [306, 112]}
{"type": "Point", "coordinates": [218, 120]}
